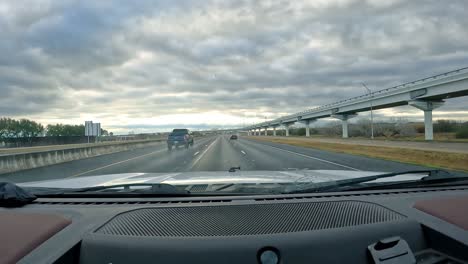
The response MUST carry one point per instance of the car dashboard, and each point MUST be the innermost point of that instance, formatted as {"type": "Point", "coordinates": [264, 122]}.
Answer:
{"type": "Point", "coordinates": [423, 225]}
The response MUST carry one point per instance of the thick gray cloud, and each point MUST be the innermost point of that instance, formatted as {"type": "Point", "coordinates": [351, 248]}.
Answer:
{"type": "Point", "coordinates": [210, 63]}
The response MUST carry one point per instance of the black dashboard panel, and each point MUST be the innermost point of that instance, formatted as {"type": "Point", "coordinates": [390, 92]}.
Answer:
{"type": "Point", "coordinates": [306, 228]}
{"type": "Point", "coordinates": [341, 245]}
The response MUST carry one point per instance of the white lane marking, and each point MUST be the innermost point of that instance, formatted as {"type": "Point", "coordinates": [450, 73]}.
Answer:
{"type": "Point", "coordinates": [206, 145]}
{"type": "Point", "coordinates": [314, 158]}
{"type": "Point", "coordinates": [196, 153]}
{"type": "Point", "coordinates": [116, 163]}
{"type": "Point", "coordinates": [243, 152]}
{"type": "Point", "coordinates": [202, 154]}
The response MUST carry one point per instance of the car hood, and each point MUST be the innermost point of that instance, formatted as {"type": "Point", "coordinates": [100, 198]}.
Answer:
{"type": "Point", "coordinates": [217, 177]}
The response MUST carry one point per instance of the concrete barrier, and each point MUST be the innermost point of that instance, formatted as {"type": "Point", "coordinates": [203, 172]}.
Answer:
{"type": "Point", "coordinates": [25, 150]}
{"type": "Point", "coordinates": [25, 161]}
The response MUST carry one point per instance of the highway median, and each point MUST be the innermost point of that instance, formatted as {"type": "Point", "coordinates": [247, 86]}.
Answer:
{"type": "Point", "coordinates": [456, 160]}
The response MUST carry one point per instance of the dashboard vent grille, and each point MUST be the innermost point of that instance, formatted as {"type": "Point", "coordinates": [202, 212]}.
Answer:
{"type": "Point", "coordinates": [102, 201]}
{"type": "Point", "coordinates": [241, 220]}
{"type": "Point", "coordinates": [97, 202]}
{"type": "Point", "coordinates": [348, 195]}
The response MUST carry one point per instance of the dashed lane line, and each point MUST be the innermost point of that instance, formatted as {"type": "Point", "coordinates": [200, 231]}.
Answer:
{"type": "Point", "coordinates": [115, 163]}
{"type": "Point", "coordinates": [202, 154]}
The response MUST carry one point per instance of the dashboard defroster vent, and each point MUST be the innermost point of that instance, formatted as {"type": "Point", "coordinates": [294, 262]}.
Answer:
{"type": "Point", "coordinates": [123, 202]}
{"type": "Point", "coordinates": [241, 220]}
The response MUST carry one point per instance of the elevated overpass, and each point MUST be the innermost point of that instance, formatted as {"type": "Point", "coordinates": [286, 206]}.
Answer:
{"type": "Point", "coordinates": [425, 94]}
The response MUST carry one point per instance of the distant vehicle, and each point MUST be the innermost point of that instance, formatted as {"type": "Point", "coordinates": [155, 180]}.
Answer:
{"type": "Point", "coordinates": [233, 137]}
{"type": "Point", "coordinates": [179, 137]}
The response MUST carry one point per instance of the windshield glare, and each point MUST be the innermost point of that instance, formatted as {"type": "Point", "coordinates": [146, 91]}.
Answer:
{"type": "Point", "coordinates": [232, 97]}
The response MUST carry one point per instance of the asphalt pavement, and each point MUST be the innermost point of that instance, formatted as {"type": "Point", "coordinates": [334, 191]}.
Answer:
{"type": "Point", "coordinates": [216, 153]}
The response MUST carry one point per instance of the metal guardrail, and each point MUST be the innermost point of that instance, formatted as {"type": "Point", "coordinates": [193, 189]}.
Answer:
{"type": "Point", "coordinates": [368, 95]}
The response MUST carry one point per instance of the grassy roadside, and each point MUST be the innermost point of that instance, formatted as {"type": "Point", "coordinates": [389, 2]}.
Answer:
{"type": "Point", "coordinates": [438, 137]}
{"type": "Point", "coordinates": [452, 161]}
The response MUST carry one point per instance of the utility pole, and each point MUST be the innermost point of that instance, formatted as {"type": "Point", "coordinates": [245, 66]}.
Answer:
{"type": "Point", "coordinates": [371, 112]}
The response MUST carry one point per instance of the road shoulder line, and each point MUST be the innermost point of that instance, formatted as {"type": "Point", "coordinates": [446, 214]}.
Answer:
{"type": "Point", "coordinates": [310, 157]}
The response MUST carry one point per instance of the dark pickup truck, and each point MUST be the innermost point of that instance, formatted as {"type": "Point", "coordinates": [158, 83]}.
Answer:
{"type": "Point", "coordinates": [179, 137]}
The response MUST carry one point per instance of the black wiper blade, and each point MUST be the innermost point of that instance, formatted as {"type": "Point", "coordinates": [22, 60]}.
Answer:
{"type": "Point", "coordinates": [424, 182]}
{"type": "Point", "coordinates": [324, 186]}
{"type": "Point", "coordinates": [155, 189]}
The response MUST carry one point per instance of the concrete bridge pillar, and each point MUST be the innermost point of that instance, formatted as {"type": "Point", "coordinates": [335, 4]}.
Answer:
{"type": "Point", "coordinates": [427, 107]}
{"type": "Point", "coordinates": [266, 131]}
{"type": "Point", "coordinates": [307, 126]}
{"type": "Point", "coordinates": [344, 122]}
{"type": "Point", "coordinates": [286, 126]}
{"type": "Point", "coordinates": [274, 131]}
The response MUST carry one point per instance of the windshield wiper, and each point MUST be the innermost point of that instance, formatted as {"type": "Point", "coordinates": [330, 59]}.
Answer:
{"type": "Point", "coordinates": [325, 186]}
{"type": "Point", "coordinates": [424, 182]}
{"type": "Point", "coordinates": [154, 189]}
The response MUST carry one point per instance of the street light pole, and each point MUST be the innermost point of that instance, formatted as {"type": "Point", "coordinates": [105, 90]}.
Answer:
{"type": "Point", "coordinates": [371, 112]}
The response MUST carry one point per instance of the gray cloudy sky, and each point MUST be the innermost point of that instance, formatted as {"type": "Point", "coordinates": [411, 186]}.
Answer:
{"type": "Point", "coordinates": [153, 65]}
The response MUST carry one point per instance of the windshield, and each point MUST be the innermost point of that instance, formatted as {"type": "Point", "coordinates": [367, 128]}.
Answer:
{"type": "Point", "coordinates": [232, 96]}
{"type": "Point", "coordinates": [179, 132]}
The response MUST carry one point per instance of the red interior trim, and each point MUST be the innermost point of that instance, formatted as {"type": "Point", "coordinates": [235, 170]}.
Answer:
{"type": "Point", "coordinates": [453, 210]}
{"type": "Point", "coordinates": [20, 233]}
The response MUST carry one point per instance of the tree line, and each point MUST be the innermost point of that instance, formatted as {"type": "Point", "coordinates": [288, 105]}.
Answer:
{"type": "Point", "coordinates": [25, 128]}
{"type": "Point", "coordinates": [11, 128]}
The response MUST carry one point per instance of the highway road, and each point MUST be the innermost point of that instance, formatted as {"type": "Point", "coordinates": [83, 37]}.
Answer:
{"type": "Point", "coordinates": [216, 153]}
